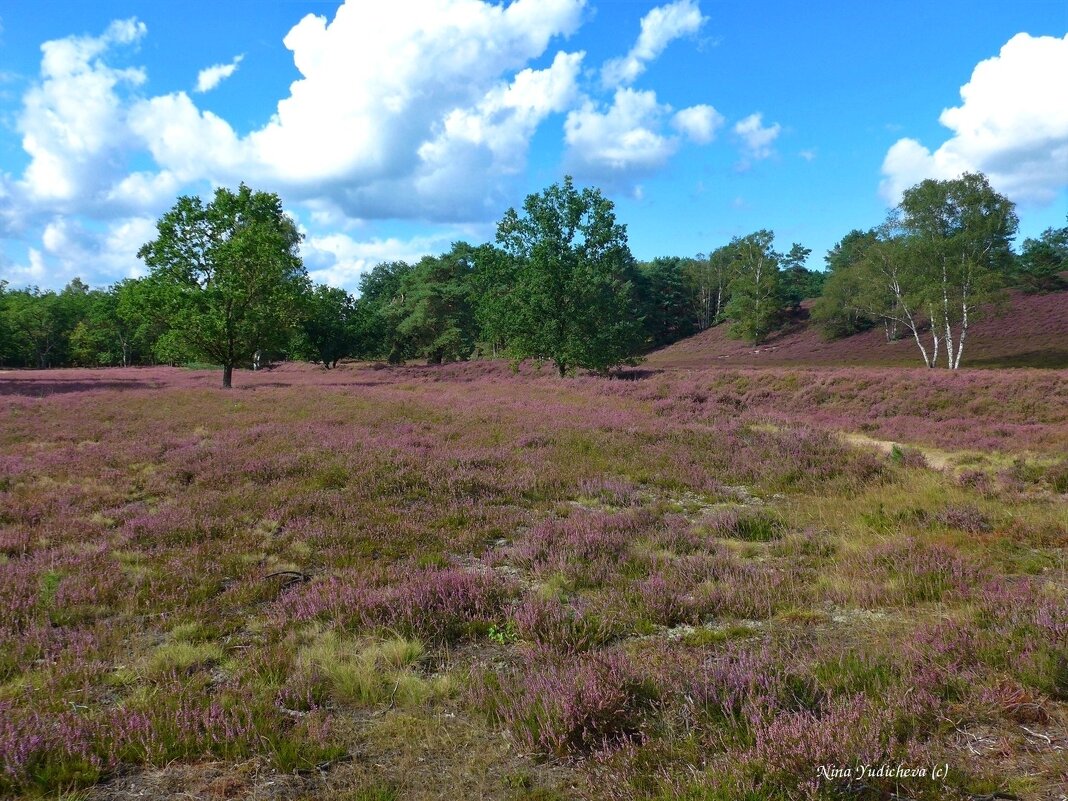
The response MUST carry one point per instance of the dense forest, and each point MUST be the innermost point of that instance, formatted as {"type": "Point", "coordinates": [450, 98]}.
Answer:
{"type": "Point", "coordinates": [226, 286]}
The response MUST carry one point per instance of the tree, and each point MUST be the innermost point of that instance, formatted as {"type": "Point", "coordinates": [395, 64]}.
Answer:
{"type": "Point", "coordinates": [437, 311]}
{"type": "Point", "coordinates": [1041, 261]}
{"type": "Point", "coordinates": [665, 300]}
{"type": "Point", "coordinates": [229, 274]}
{"type": "Point", "coordinates": [7, 345]}
{"type": "Point", "coordinates": [35, 321]}
{"type": "Point", "coordinates": [960, 233]}
{"type": "Point", "coordinates": [328, 326]}
{"type": "Point", "coordinates": [709, 280]}
{"type": "Point", "coordinates": [380, 309]}
{"type": "Point", "coordinates": [560, 292]}
{"type": "Point", "coordinates": [798, 282]}
{"type": "Point", "coordinates": [756, 304]}
{"type": "Point", "coordinates": [939, 260]}
{"type": "Point", "coordinates": [838, 310]}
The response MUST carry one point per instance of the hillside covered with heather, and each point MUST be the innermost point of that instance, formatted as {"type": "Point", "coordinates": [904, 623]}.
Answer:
{"type": "Point", "coordinates": [1029, 330]}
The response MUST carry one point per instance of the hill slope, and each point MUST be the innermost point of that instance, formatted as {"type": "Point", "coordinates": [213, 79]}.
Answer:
{"type": "Point", "coordinates": [1033, 332]}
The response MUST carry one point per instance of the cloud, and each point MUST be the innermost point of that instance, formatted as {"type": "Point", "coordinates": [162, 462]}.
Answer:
{"type": "Point", "coordinates": [1009, 125]}
{"type": "Point", "coordinates": [188, 143]}
{"type": "Point", "coordinates": [659, 28]}
{"type": "Point", "coordinates": [416, 110]}
{"type": "Point", "coordinates": [340, 260]}
{"type": "Point", "coordinates": [209, 78]}
{"type": "Point", "coordinates": [72, 122]}
{"type": "Point", "coordinates": [68, 249]}
{"type": "Point", "coordinates": [620, 143]}
{"type": "Point", "coordinates": [756, 139]}
{"type": "Point", "coordinates": [377, 83]}
{"type": "Point", "coordinates": [419, 109]}
{"type": "Point", "coordinates": [698, 123]}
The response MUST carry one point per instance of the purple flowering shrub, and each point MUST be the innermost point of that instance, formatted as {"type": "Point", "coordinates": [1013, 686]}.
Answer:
{"type": "Point", "coordinates": [686, 584]}
{"type": "Point", "coordinates": [589, 703]}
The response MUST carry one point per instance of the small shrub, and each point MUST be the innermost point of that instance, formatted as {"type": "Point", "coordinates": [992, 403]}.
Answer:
{"type": "Point", "coordinates": [1057, 476]}
{"type": "Point", "coordinates": [965, 518]}
{"type": "Point", "coordinates": [617, 492]}
{"type": "Point", "coordinates": [908, 457]}
{"type": "Point", "coordinates": [549, 623]}
{"type": "Point", "coordinates": [573, 707]}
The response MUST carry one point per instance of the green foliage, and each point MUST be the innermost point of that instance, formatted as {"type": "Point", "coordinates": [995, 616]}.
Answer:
{"type": "Point", "coordinates": [756, 304]}
{"type": "Point", "coordinates": [329, 326]}
{"type": "Point", "coordinates": [504, 634]}
{"type": "Point", "coordinates": [38, 325]}
{"type": "Point", "coordinates": [228, 274]}
{"type": "Point", "coordinates": [435, 315]}
{"type": "Point", "coordinates": [839, 311]}
{"type": "Point", "coordinates": [798, 282]}
{"type": "Point", "coordinates": [559, 289]}
{"type": "Point", "coordinates": [381, 296]}
{"type": "Point", "coordinates": [666, 297]}
{"type": "Point", "coordinates": [1042, 261]}
{"type": "Point", "coordinates": [936, 264]}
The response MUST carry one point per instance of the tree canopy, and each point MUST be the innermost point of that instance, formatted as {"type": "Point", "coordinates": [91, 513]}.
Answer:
{"type": "Point", "coordinates": [559, 284]}
{"type": "Point", "coordinates": [941, 257]}
{"type": "Point", "coordinates": [229, 274]}
{"type": "Point", "coordinates": [560, 287]}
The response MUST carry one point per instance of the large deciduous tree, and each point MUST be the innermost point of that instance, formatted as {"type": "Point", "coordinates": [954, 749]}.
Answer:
{"type": "Point", "coordinates": [560, 292]}
{"type": "Point", "coordinates": [230, 274]}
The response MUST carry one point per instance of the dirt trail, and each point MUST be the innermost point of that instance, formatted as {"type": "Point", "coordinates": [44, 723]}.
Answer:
{"type": "Point", "coordinates": [939, 460]}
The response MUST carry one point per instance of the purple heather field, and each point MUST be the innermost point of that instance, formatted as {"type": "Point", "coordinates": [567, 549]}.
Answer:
{"type": "Point", "coordinates": [468, 581]}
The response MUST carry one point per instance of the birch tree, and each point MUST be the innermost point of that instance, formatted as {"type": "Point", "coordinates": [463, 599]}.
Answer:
{"type": "Point", "coordinates": [756, 303]}
{"type": "Point", "coordinates": [936, 264]}
{"type": "Point", "coordinates": [961, 232]}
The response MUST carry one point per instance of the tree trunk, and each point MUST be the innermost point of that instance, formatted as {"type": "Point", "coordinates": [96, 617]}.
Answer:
{"type": "Point", "coordinates": [963, 334]}
{"type": "Point", "coordinates": [562, 367]}
{"type": "Point", "coordinates": [228, 375]}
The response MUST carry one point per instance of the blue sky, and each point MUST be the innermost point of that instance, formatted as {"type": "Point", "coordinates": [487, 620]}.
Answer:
{"type": "Point", "coordinates": [392, 129]}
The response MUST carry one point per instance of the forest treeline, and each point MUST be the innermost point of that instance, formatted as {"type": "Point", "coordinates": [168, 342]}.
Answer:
{"type": "Point", "coordinates": [226, 286]}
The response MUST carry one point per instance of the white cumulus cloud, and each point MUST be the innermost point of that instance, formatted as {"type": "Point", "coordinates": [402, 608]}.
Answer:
{"type": "Point", "coordinates": [659, 28]}
{"type": "Point", "coordinates": [210, 77]}
{"type": "Point", "coordinates": [414, 109]}
{"type": "Point", "coordinates": [698, 123]}
{"type": "Point", "coordinates": [757, 139]}
{"type": "Point", "coordinates": [621, 141]}
{"type": "Point", "coordinates": [379, 81]}
{"type": "Point", "coordinates": [70, 249]}
{"type": "Point", "coordinates": [72, 121]}
{"type": "Point", "coordinates": [1012, 124]}
{"type": "Point", "coordinates": [341, 260]}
